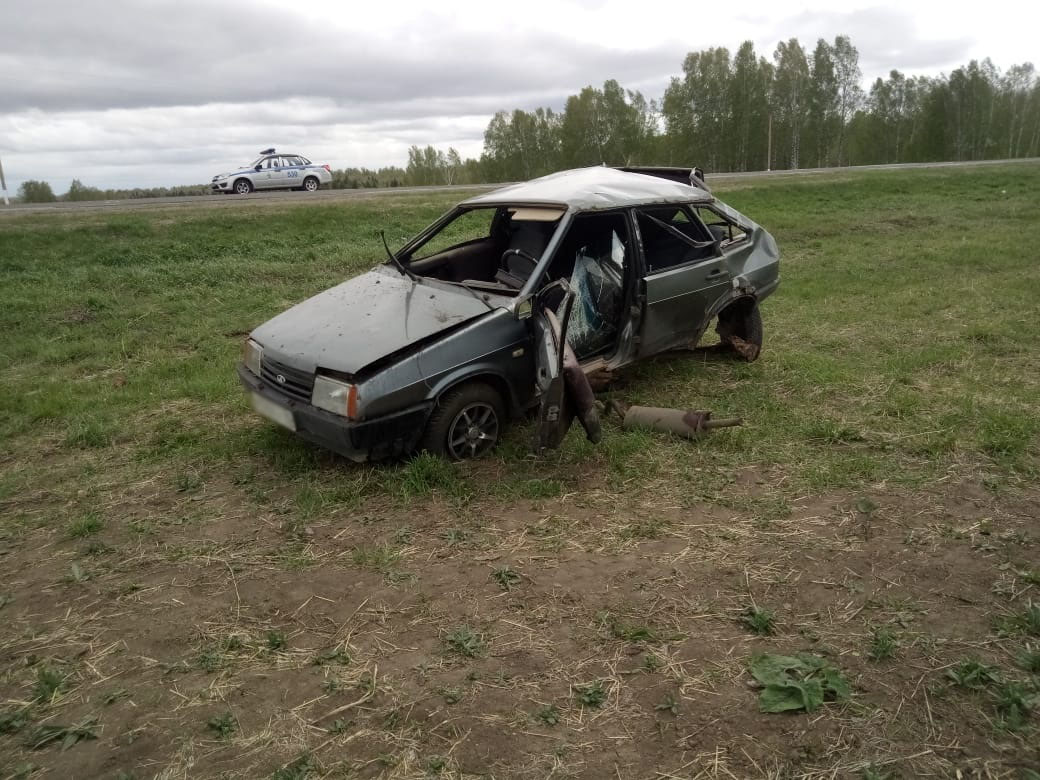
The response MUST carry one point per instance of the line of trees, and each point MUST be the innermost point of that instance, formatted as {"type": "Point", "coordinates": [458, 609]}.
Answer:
{"type": "Point", "coordinates": [798, 110]}
{"type": "Point", "coordinates": [727, 112]}
{"type": "Point", "coordinates": [35, 191]}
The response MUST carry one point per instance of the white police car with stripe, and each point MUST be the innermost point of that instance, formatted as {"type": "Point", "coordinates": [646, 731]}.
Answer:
{"type": "Point", "coordinates": [273, 171]}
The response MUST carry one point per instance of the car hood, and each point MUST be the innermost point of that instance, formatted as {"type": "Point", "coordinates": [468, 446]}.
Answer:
{"type": "Point", "coordinates": [355, 323]}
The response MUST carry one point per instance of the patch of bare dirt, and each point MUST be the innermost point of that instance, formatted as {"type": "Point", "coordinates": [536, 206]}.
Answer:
{"type": "Point", "coordinates": [568, 638]}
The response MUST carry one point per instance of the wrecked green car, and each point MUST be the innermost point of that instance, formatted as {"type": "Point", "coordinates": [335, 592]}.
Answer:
{"type": "Point", "coordinates": [504, 305]}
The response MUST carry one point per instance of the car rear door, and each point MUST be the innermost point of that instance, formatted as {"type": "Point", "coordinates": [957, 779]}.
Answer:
{"type": "Point", "coordinates": [684, 273]}
{"type": "Point", "coordinates": [293, 168]}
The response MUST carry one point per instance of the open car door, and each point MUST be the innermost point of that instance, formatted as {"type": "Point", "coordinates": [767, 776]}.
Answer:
{"type": "Point", "coordinates": [562, 385]}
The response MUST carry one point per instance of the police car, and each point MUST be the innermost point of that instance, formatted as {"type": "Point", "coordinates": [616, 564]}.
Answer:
{"type": "Point", "coordinates": [273, 171]}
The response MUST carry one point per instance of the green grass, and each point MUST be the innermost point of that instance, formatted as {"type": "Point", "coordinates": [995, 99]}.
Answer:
{"type": "Point", "coordinates": [84, 526]}
{"type": "Point", "coordinates": [898, 347]}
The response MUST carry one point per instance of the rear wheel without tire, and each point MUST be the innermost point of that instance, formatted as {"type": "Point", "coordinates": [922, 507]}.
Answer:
{"type": "Point", "coordinates": [740, 328]}
{"type": "Point", "coordinates": [467, 422]}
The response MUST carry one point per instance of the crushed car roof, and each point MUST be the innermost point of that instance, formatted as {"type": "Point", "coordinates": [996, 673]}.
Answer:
{"type": "Point", "coordinates": [591, 189]}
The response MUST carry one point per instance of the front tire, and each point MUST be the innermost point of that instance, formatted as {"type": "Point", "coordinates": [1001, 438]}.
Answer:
{"type": "Point", "coordinates": [467, 422]}
{"type": "Point", "coordinates": [243, 187]}
{"type": "Point", "coordinates": [310, 184]}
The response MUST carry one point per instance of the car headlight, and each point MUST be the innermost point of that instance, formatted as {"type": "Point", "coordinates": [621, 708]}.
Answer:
{"type": "Point", "coordinates": [251, 355]}
{"type": "Point", "coordinates": [335, 396]}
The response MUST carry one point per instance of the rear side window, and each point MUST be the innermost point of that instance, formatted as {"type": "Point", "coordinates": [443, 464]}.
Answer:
{"type": "Point", "coordinates": [720, 228]}
{"type": "Point", "coordinates": [671, 236]}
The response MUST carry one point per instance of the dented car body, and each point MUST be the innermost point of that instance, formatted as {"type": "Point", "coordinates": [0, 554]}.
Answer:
{"type": "Point", "coordinates": [504, 304]}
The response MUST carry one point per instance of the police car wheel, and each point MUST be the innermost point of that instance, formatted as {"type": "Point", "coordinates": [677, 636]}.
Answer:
{"type": "Point", "coordinates": [310, 184]}
{"type": "Point", "coordinates": [243, 187]}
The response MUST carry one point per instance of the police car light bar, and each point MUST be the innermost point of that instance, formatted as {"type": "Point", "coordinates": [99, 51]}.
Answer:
{"type": "Point", "coordinates": [268, 151]}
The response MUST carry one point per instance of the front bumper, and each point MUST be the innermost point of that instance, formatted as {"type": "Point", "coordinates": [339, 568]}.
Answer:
{"type": "Point", "coordinates": [381, 437]}
{"type": "Point", "coordinates": [220, 186]}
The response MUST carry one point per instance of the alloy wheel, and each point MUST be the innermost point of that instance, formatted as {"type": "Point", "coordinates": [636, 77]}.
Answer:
{"type": "Point", "coordinates": [473, 432]}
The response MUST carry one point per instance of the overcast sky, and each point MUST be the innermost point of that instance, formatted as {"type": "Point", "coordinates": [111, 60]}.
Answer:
{"type": "Point", "coordinates": [123, 93]}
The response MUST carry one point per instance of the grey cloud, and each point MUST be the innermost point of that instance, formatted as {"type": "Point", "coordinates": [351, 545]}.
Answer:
{"type": "Point", "coordinates": [886, 38]}
{"type": "Point", "coordinates": [191, 53]}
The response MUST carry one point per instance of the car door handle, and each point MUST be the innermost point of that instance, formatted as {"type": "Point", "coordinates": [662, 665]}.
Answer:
{"type": "Point", "coordinates": [716, 273]}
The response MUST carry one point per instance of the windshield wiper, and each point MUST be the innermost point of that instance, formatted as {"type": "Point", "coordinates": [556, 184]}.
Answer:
{"type": "Point", "coordinates": [482, 296]}
{"type": "Point", "coordinates": [397, 263]}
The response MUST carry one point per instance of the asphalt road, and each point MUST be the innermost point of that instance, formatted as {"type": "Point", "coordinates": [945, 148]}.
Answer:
{"type": "Point", "coordinates": [280, 196]}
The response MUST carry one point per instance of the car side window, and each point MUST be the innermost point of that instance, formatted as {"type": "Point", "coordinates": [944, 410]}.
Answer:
{"type": "Point", "coordinates": [269, 163]}
{"type": "Point", "coordinates": [293, 161]}
{"type": "Point", "coordinates": [721, 229]}
{"type": "Point", "coordinates": [671, 236]}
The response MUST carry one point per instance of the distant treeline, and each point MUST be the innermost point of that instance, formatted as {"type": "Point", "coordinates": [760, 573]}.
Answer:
{"type": "Point", "coordinates": [727, 112]}
{"type": "Point", "coordinates": [742, 112]}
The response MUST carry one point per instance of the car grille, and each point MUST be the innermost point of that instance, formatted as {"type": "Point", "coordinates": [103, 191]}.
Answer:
{"type": "Point", "coordinates": [288, 381]}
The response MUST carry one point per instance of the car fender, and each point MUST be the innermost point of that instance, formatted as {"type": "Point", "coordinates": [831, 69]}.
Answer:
{"type": "Point", "coordinates": [486, 371]}
{"type": "Point", "coordinates": [731, 296]}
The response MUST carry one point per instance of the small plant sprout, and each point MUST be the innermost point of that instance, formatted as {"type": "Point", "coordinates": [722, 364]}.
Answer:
{"type": "Point", "coordinates": [86, 525]}
{"type": "Point", "coordinates": [875, 772]}
{"type": "Point", "coordinates": [1029, 659]}
{"type": "Point", "coordinates": [66, 735]}
{"type": "Point", "coordinates": [465, 641]}
{"type": "Point", "coordinates": [883, 645]}
{"type": "Point", "coordinates": [506, 578]}
{"type": "Point", "coordinates": [1025, 622]}
{"type": "Point", "coordinates": [549, 715]}
{"type": "Point", "coordinates": [670, 704]}
{"type": "Point", "coordinates": [651, 663]}
{"type": "Point", "coordinates": [49, 683]}
{"type": "Point", "coordinates": [1015, 702]}
{"type": "Point", "coordinates": [591, 694]}
{"type": "Point", "coordinates": [972, 674]}
{"type": "Point", "coordinates": [333, 655]}
{"type": "Point", "coordinates": [451, 695]}
{"type": "Point", "coordinates": [276, 640]}
{"type": "Point", "coordinates": [759, 620]}
{"type": "Point", "coordinates": [222, 725]}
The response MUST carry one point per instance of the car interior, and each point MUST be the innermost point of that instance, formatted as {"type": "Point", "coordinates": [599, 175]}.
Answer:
{"type": "Point", "coordinates": [674, 236]}
{"type": "Point", "coordinates": [500, 249]}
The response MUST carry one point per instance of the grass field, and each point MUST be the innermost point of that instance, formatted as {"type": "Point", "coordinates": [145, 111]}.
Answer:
{"type": "Point", "coordinates": [188, 591]}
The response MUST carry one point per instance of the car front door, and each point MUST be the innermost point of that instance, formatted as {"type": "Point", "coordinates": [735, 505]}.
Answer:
{"type": "Point", "coordinates": [684, 274]}
{"type": "Point", "coordinates": [548, 324]}
{"type": "Point", "coordinates": [279, 172]}
{"type": "Point", "coordinates": [263, 179]}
